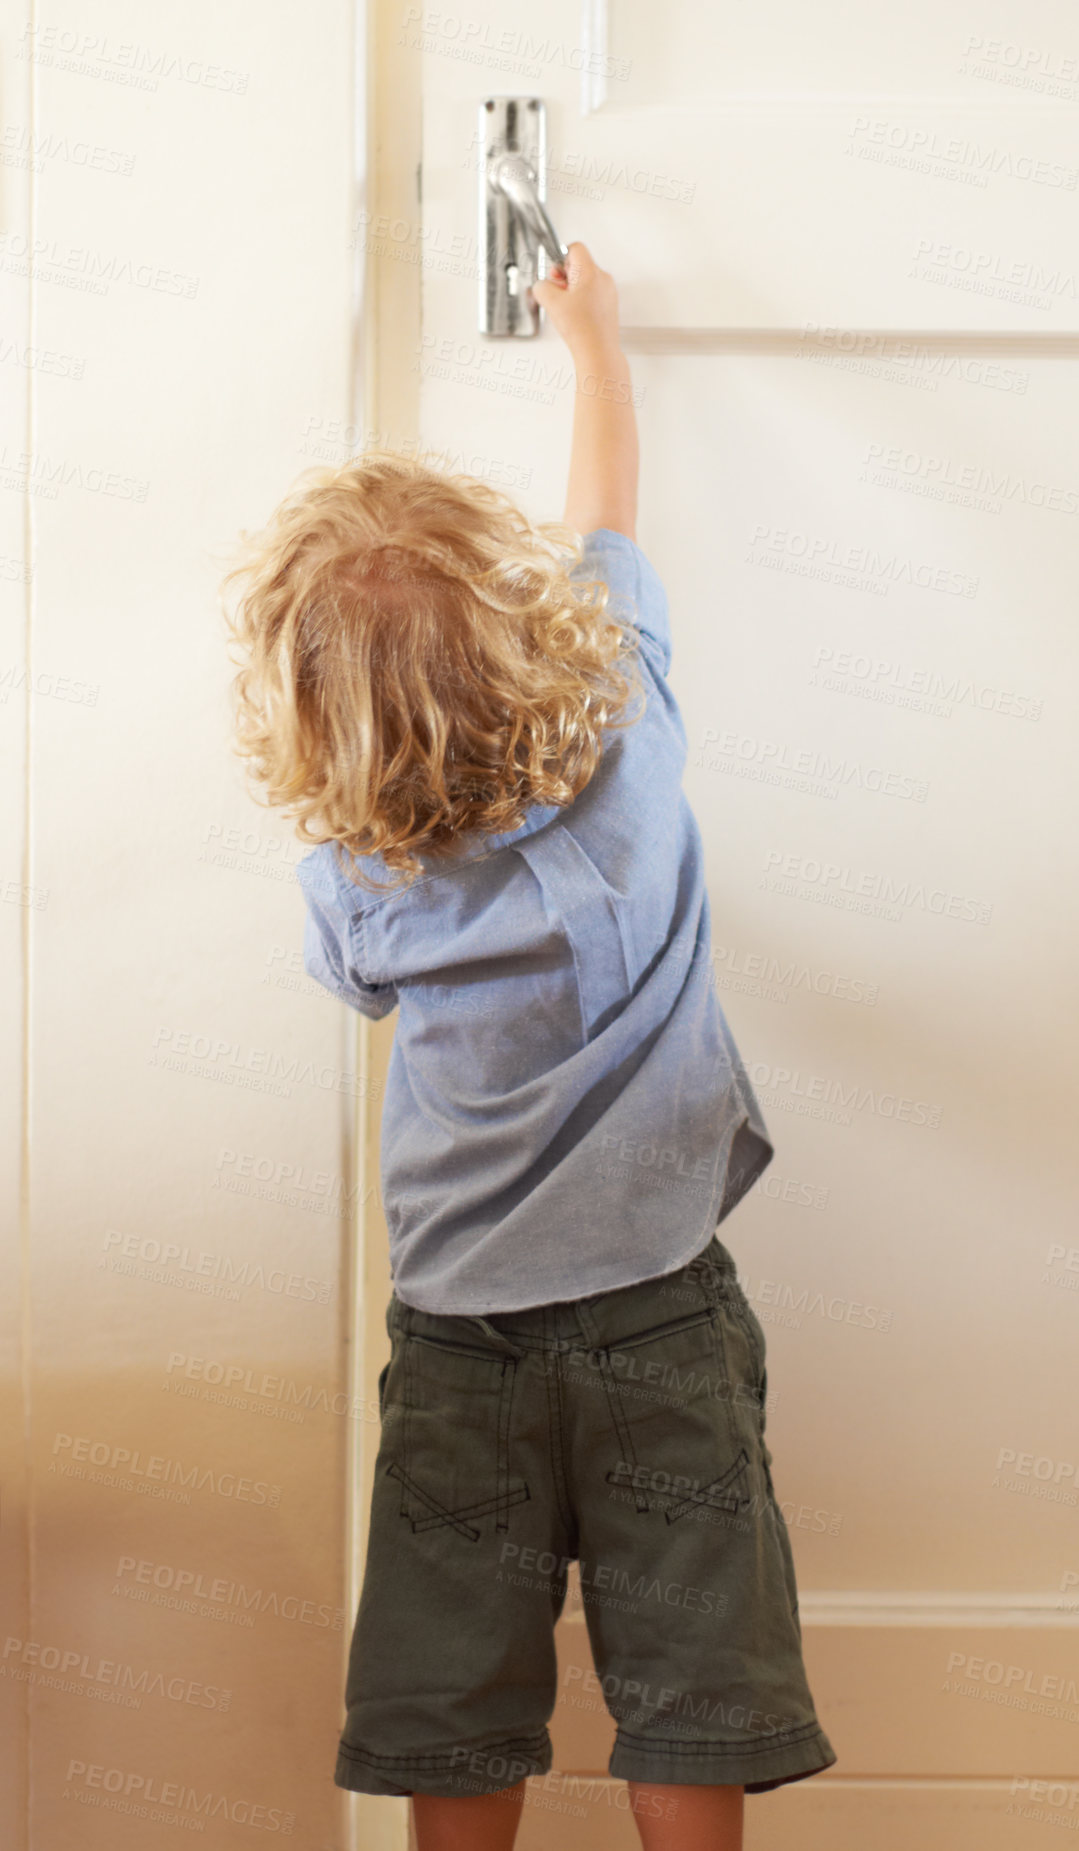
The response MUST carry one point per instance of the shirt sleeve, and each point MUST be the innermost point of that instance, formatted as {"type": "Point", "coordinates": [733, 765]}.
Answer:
{"type": "Point", "coordinates": [330, 932]}
{"type": "Point", "coordinates": [637, 593]}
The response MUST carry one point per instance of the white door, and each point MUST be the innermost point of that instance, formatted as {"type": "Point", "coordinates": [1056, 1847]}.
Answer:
{"type": "Point", "coordinates": [846, 250]}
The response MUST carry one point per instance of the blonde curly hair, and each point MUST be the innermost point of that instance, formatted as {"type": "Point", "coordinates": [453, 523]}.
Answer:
{"type": "Point", "coordinates": [417, 663]}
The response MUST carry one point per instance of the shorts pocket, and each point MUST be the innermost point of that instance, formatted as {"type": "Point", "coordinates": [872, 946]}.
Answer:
{"type": "Point", "coordinates": [674, 1446]}
{"type": "Point", "coordinates": [455, 1461]}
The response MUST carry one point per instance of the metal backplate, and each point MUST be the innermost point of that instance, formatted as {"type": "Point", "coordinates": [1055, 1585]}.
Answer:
{"type": "Point", "coordinates": [509, 258]}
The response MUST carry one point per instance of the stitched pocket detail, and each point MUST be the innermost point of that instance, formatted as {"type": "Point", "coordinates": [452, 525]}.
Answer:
{"type": "Point", "coordinates": [455, 1463]}
{"type": "Point", "coordinates": [675, 1446]}
{"type": "Point", "coordinates": [455, 1349]}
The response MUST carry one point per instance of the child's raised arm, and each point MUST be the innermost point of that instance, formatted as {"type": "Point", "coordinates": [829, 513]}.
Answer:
{"type": "Point", "coordinates": [582, 303]}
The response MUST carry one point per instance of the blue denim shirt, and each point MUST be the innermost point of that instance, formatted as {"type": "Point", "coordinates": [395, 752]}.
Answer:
{"type": "Point", "coordinates": [566, 1111]}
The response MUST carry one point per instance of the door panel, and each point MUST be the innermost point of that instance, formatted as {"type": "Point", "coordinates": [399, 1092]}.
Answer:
{"type": "Point", "coordinates": [863, 213]}
{"type": "Point", "coordinates": [779, 169]}
{"type": "Point", "coordinates": [858, 483]}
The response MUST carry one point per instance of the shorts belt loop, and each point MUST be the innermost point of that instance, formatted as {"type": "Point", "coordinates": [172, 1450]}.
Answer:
{"type": "Point", "coordinates": [498, 1338]}
{"type": "Point", "coordinates": [505, 1405]}
{"type": "Point", "coordinates": [589, 1327]}
{"type": "Point", "coordinates": [710, 1279]}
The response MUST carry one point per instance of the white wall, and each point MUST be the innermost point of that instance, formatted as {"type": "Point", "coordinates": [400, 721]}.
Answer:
{"type": "Point", "coordinates": [189, 304]}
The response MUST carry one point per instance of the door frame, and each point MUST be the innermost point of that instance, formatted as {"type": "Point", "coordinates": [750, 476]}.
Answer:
{"type": "Point", "coordinates": [384, 407]}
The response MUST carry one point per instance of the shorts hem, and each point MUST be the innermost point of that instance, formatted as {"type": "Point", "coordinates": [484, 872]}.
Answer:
{"type": "Point", "coordinates": [446, 1773]}
{"type": "Point", "coordinates": [757, 1766]}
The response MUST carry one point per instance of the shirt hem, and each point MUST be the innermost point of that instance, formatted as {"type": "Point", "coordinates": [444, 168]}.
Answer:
{"type": "Point", "coordinates": [732, 1186]}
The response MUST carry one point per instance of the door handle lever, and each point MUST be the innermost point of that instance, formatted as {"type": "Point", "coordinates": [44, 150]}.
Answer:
{"type": "Point", "coordinates": [516, 237]}
{"type": "Point", "coordinates": [513, 175]}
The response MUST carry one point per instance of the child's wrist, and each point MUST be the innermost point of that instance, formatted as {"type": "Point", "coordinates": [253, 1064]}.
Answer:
{"type": "Point", "coordinates": [598, 355]}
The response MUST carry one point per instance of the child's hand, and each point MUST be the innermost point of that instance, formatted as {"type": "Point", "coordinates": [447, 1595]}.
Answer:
{"type": "Point", "coordinates": [582, 302]}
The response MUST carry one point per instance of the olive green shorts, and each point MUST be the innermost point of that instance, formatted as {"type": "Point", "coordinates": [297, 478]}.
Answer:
{"type": "Point", "coordinates": [624, 1431]}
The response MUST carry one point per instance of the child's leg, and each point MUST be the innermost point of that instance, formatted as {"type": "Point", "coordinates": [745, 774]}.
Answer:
{"type": "Point", "coordinates": [476, 1822]}
{"type": "Point", "coordinates": [687, 1818]}
{"type": "Point", "coordinates": [669, 1818]}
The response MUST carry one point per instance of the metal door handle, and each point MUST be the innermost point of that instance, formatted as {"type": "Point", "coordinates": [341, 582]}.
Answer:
{"type": "Point", "coordinates": [516, 237]}
{"type": "Point", "coordinates": [513, 175]}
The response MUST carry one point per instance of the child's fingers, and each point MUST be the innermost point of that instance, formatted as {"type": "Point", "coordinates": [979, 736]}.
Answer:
{"type": "Point", "coordinates": [578, 264]}
{"type": "Point", "coordinates": [569, 274]}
